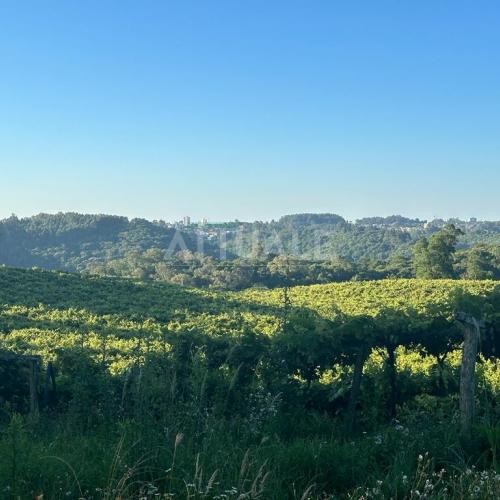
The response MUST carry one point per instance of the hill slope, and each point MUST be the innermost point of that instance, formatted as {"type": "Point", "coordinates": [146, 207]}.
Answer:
{"type": "Point", "coordinates": [77, 242]}
{"type": "Point", "coordinates": [74, 242]}
{"type": "Point", "coordinates": [156, 374]}
{"type": "Point", "coordinates": [54, 302]}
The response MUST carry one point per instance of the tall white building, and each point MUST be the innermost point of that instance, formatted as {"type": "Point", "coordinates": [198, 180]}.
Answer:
{"type": "Point", "coordinates": [186, 220]}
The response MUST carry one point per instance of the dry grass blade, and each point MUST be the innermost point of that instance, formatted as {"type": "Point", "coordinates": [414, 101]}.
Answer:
{"type": "Point", "coordinates": [307, 492]}
{"type": "Point", "coordinates": [71, 469]}
{"type": "Point", "coordinates": [211, 481]}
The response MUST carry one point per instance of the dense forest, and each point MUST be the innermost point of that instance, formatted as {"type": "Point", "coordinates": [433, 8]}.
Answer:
{"type": "Point", "coordinates": [326, 236]}
{"type": "Point", "coordinates": [73, 242]}
{"type": "Point", "coordinates": [268, 271]}
{"type": "Point", "coordinates": [123, 388]}
{"type": "Point", "coordinates": [295, 250]}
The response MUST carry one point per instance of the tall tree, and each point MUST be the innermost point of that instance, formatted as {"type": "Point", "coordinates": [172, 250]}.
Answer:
{"type": "Point", "coordinates": [479, 264]}
{"type": "Point", "coordinates": [433, 258]}
{"type": "Point", "coordinates": [421, 263]}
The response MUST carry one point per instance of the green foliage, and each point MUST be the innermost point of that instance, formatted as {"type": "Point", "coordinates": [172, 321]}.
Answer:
{"type": "Point", "coordinates": [323, 248]}
{"type": "Point", "coordinates": [480, 264]}
{"type": "Point", "coordinates": [434, 258]}
{"type": "Point", "coordinates": [161, 387]}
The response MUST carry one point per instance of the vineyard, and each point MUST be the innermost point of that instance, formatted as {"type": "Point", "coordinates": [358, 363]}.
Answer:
{"type": "Point", "coordinates": [115, 388]}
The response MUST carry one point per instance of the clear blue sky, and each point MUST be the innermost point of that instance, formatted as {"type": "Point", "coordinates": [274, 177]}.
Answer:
{"type": "Point", "coordinates": [250, 110]}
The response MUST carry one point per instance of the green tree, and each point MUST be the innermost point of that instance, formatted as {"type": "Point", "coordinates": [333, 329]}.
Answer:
{"type": "Point", "coordinates": [479, 264]}
{"type": "Point", "coordinates": [421, 263]}
{"type": "Point", "coordinates": [433, 258]}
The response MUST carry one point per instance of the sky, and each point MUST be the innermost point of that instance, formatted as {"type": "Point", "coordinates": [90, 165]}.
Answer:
{"type": "Point", "coordinates": [250, 110]}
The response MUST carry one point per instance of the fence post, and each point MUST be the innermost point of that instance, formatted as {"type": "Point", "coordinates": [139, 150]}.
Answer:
{"type": "Point", "coordinates": [33, 380]}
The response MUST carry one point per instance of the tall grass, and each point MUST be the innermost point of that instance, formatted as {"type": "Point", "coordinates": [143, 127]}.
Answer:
{"type": "Point", "coordinates": [128, 459]}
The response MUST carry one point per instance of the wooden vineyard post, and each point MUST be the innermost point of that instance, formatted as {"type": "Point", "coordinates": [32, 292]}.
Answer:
{"type": "Point", "coordinates": [355, 388]}
{"type": "Point", "coordinates": [391, 368]}
{"type": "Point", "coordinates": [471, 329]}
{"type": "Point", "coordinates": [33, 383]}
{"type": "Point", "coordinates": [49, 380]}
{"type": "Point", "coordinates": [33, 364]}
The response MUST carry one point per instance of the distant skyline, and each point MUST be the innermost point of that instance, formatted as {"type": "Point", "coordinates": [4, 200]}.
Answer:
{"type": "Point", "coordinates": [250, 111]}
{"type": "Point", "coordinates": [203, 220]}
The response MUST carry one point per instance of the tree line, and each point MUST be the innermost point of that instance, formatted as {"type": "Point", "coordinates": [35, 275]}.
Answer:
{"type": "Point", "coordinates": [433, 258]}
{"type": "Point", "coordinates": [79, 242]}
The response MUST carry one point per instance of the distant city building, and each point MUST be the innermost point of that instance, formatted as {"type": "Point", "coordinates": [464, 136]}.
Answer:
{"type": "Point", "coordinates": [203, 222]}
{"type": "Point", "coordinates": [186, 220]}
